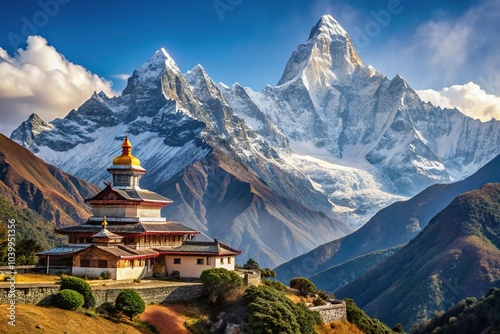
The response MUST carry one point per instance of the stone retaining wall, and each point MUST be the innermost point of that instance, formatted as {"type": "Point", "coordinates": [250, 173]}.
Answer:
{"type": "Point", "coordinates": [151, 295]}
{"type": "Point", "coordinates": [332, 312]}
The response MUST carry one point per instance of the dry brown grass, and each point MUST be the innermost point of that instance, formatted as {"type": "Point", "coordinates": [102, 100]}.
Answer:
{"type": "Point", "coordinates": [31, 319]}
{"type": "Point", "coordinates": [339, 327]}
{"type": "Point", "coordinates": [32, 278]}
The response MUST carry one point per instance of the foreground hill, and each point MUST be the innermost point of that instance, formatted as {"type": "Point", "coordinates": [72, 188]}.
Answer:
{"type": "Point", "coordinates": [456, 256]}
{"type": "Point", "coordinates": [28, 182]}
{"type": "Point", "coordinates": [36, 319]}
{"type": "Point", "coordinates": [395, 225]}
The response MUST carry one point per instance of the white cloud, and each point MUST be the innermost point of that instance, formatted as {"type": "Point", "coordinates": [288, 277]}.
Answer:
{"type": "Point", "coordinates": [39, 79]}
{"type": "Point", "coordinates": [123, 77]}
{"type": "Point", "coordinates": [469, 99]}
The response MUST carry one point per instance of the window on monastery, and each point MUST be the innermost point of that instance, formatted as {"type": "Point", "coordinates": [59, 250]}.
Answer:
{"type": "Point", "coordinates": [84, 263]}
{"type": "Point", "coordinates": [208, 261]}
{"type": "Point", "coordinates": [221, 260]}
{"type": "Point", "coordinates": [199, 261]}
{"type": "Point", "coordinates": [102, 263]}
{"type": "Point", "coordinates": [177, 261]}
{"type": "Point", "coordinates": [229, 260]}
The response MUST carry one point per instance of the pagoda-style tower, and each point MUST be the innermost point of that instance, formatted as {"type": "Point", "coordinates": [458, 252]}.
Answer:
{"type": "Point", "coordinates": [131, 212]}
{"type": "Point", "coordinates": [127, 236]}
{"type": "Point", "coordinates": [126, 169]}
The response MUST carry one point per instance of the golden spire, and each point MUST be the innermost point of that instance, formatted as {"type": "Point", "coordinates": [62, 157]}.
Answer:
{"type": "Point", "coordinates": [104, 222]}
{"type": "Point", "coordinates": [126, 158]}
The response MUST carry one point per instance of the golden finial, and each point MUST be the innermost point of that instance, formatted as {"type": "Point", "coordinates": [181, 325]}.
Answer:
{"type": "Point", "coordinates": [126, 158]}
{"type": "Point", "coordinates": [104, 222]}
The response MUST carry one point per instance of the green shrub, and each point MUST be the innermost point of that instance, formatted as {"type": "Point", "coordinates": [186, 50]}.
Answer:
{"type": "Point", "coordinates": [318, 301]}
{"type": "Point", "coordinates": [326, 296]}
{"type": "Point", "coordinates": [105, 275]}
{"type": "Point", "coordinates": [304, 285]}
{"type": "Point", "coordinates": [251, 264]}
{"type": "Point", "coordinates": [129, 303]}
{"type": "Point", "coordinates": [276, 285]}
{"type": "Point", "coordinates": [220, 283]}
{"type": "Point", "coordinates": [368, 325]}
{"type": "Point", "coordinates": [271, 311]}
{"type": "Point", "coordinates": [79, 285]}
{"type": "Point", "coordinates": [268, 272]}
{"type": "Point", "coordinates": [68, 299]}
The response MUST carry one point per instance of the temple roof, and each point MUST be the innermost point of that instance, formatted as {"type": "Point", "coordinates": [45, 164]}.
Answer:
{"type": "Point", "coordinates": [127, 253]}
{"type": "Point", "coordinates": [131, 228]}
{"type": "Point", "coordinates": [111, 193]}
{"type": "Point", "coordinates": [212, 248]}
{"type": "Point", "coordinates": [63, 250]}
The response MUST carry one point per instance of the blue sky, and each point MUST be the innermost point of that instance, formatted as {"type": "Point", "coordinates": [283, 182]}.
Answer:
{"type": "Point", "coordinates": [432, 44]}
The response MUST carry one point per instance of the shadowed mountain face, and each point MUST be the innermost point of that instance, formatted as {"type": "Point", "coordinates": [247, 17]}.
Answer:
{"type": "Point", "coordinates": [334, 141]}
{"type": "Point", "coordinates": [456, 256]}
{"type": "Point", "coordinates": [29, 182]}
{"type": "Point", "coordinates": [395, 225]}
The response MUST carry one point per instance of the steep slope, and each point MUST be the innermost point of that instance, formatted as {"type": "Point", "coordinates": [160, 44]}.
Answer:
{"type": "Point", "coordinates": [29, 182]}
{"type": "Point", "coordinates": [29, 225]}
{"type": "Point", "coordinates": [395, 225]}
{"type": "Point", "coordinates": [468, 316]}
{"type": "Point", "coordinates": [456, 256]}
{"type": "Point", "coordinates": [342, 274]}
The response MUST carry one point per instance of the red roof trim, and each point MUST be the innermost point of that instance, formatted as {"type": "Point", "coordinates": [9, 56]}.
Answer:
{"type": "Point", "coordinates": [196, 254]}
{"type": "Point", "coordinates": [135, 257]}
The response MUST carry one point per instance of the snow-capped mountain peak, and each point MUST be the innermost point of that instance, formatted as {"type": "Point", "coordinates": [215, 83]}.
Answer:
{"type": "Point", "coordinates": [327, 25]}
{"type": "Point", "coordinates": [327, 56]}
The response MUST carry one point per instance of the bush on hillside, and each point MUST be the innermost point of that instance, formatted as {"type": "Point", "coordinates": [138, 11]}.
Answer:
{"type": "Point", "coordinates": [68, 299]}
{"type": "Point", "coordinates": [251, 264]}
{"type": "Point", "coordinates": [271, 311]}
{"type": "Point", "coordinates": [276, 285]}
{"type": "Point", "coordinates": [130, 303]}
{"type": "Point", "coordinates": [220, 283]}
{"type": "Point", "coordinates": [470, 315]}
{"type": "Point", "coordinates": [368, 325]}
{"type": "Point", "coordinates": [266, 273]}
{"type": "Point", "coordinates": [81, 286]}
{"type": "Point", "coordinates": [304, 285]}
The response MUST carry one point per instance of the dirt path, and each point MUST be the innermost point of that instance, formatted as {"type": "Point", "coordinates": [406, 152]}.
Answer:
{"type": "Point", "coordinates": [165, 318]}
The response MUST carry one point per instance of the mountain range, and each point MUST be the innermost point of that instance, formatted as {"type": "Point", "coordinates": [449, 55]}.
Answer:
{"type": "Point", "coordinates": [392, 226]}
{"type": "Point", "coordinates": [456, 256]}
{"type": "Point", "coordinates": [276, 172]}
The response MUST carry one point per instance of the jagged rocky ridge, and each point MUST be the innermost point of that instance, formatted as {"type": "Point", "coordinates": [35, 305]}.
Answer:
{"type": "Point", "coordinates": [335, 139]}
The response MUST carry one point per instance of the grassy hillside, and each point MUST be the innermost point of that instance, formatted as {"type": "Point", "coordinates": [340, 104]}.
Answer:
{"type": "Point", "coordinates": [31, 319]}
{"type": "Point", "coordinates": [456, 256]}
